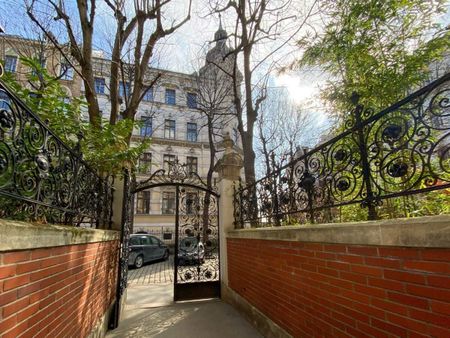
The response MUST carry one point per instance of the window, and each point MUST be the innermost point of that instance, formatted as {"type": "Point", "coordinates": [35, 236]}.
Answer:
{"type": "Point", "coordinates": [135, 241]}
{"type": "Point", "coordinates": [66, 71]}
{"type": "Point", "coordinates": [191, 99]}
{"type": "Point", "coordinates": [191, 132]}
{"type": "Point", "coordinates": [148, 95]}
{"type": "Point", "coordinates": [146, 240]}
{"type": "Point", "coordinates": [143, 202]}
{"type": "Point", "coordinates": [99, 85]}
{"type": "Point", "coordinates": [191, 165]}
{"type": "Point", "coordinates": [170, 96]}
{"type": "Point", "coordinates": [168, 202]}
{"type": "Point", "coordinates": [168, 161]}
{"type": "Point", "coordinates": [153, 240]}
{"type": "Point", "coordinates": [10, 63]}
{"type": "Point", "coordinates": [145, 163]}
{"type": "Point", "coordinates": [191, 203]}
{"type": "Point", "coordinates": [124, 88]}
{"type": "Point", "coordinates": [169, 129]}
{"type": "Point", "coordinates": [4, 101]}
{"type": "Point", "coordinates": [146, 127]}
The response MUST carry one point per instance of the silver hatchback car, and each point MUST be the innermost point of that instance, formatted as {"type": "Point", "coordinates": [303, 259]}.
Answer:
{"type": "Point", "coordinates": [146, 248]}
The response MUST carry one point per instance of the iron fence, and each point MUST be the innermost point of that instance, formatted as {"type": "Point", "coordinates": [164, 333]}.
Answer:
{"type": "Point", "coordinates": [400, 151]}
{"type": "Point", "coordinates": [41, 178]}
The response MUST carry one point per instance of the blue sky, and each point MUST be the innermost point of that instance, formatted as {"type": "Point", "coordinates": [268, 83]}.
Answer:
{"type": "Point", "coordinates": [184, 50]}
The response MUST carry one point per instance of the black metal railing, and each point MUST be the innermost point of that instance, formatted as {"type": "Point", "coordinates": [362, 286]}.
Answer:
{"type": "Point", "coordinates": [41, 178]}
{"type": "Point", "coordinates": [400, 151]}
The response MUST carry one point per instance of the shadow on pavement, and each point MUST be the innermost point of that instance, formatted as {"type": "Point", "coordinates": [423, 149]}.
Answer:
{"type": "Point", "coordinates": [203, 319]}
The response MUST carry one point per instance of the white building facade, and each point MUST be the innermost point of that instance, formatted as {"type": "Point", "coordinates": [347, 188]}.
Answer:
{"type": "Point", "coordinates": [170, 114]}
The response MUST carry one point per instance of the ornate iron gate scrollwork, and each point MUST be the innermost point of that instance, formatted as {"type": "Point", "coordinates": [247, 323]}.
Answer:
{"type": "Point", "coordinates": [197, 272]}
{"type": "Point", "coordinates": [197, 266]}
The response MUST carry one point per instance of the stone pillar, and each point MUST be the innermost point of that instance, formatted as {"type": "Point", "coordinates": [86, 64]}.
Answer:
{"type": "Point", "coordinates": [229, 169]}
{"type": "Point", "coordinates": [117, 204]}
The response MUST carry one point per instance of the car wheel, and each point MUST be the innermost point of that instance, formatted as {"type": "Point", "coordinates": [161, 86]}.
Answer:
{"type": "Point", "coordinates": [166, 255]}
{"type": "Point", "coordinates": [138, 262]}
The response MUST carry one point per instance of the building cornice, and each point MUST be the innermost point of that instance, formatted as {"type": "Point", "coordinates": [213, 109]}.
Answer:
{"type": "Point", "coordinates": [170, 142]}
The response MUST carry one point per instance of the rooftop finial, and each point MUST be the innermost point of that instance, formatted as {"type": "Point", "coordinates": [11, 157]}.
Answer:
{"type": "Point", "coordinates": [221, 34]}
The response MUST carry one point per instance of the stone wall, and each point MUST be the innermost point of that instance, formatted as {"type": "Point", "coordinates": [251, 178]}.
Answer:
{"type": "Point", "coordinates": [56, 281]}
{"type": "Point", "coordinates": [376, 279]}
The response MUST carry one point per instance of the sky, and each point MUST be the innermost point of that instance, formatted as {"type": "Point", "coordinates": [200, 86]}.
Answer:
{"type": "Point", "coordinates": [184, 50]}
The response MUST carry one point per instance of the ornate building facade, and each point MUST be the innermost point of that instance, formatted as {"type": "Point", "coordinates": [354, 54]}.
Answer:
{"type": "Point", "coordinates": [173, 113]}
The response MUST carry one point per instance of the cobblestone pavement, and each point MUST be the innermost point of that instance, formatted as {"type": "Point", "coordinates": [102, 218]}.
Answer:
{"type": "Point", "coordinates": [159, 272]}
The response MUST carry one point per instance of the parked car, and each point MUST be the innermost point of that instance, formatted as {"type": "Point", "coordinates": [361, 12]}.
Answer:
{"type": "Point", "coordinates": [191, 251]}
{"type": "Point", "coordinates": [146, 248]}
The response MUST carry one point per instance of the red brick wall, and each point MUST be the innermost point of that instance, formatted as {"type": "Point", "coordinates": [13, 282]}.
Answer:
{"type": "Point", "coordinates": [55, 292]}
{"type": "Point", "coordinates": [313, 289]}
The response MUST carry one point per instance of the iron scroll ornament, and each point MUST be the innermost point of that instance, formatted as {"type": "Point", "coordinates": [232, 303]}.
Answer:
{"type": "Point", "coordinates": [191, 225]}
{"type": "Point", "coordinates": [176, 173]}
{"type": "Point", "coordinates": [399, 151]}
{"type": "Point", "coordinates": [196, 217]}
{"type": "Point", "coordinates": [41, 178]}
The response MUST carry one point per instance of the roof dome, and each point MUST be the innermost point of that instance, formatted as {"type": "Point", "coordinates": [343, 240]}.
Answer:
{"type": "Point", "coordinates": [220, 50]}
{"type": "Point", "coordinates": [221, 34]}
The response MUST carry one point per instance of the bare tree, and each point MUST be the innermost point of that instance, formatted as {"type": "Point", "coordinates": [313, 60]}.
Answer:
{"type": "Point", "coordinates": [284, 128]}
{"type": "Point", "coordinates": [271, 24]}
{"type": "Point", "coordinates": [143, 21]}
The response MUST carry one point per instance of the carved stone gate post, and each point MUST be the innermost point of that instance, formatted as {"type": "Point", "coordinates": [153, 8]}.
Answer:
{"type": "Point", "coordinates": [229, 169]}
{"type": "Point", "coordinates": [118, 203]}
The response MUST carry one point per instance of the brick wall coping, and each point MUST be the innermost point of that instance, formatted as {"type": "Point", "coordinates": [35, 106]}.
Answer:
{"type": "Point", "coordinates": [429, 231]}
{"type": "Point", "coordinates": [15, 235]}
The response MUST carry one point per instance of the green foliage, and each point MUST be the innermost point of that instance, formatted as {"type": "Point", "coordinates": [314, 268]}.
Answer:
{"type": "Point", "coordinates": [435, 203]}
{"type": "Point", "coordinates": [380, 49]}
{"type": "Point", "coordinates": [106, 149]}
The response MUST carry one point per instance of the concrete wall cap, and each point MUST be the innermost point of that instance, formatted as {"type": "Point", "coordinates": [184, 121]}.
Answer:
{"type": "Point", "coordinates": [16, 235]}
{"type": "Point", "coordinates": [428, 231]}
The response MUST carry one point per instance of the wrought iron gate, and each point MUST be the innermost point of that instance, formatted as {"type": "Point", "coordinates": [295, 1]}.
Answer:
{"type": "Point", "coordinates": [196, 271]}
{"type": "Point", "coordinates": [196, 260]}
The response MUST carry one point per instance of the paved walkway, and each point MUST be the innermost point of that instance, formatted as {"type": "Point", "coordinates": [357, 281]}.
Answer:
{"type": "Point", "coordinates": [147, 296]}
{"type": "Point", "coordinates": [203, 319]}
{"type": "Point", "coordinates": [160, 272]}
{"type": "Point", "coordinates": [151, 312]}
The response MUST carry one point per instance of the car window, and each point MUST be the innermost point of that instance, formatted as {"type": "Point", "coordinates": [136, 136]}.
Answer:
{"type": "Point", "coordinates": [154, 240]}
{"type": "Point", "coordinates": [145, 240]}
{"type": "Point", "coordinates": [134, 241]}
